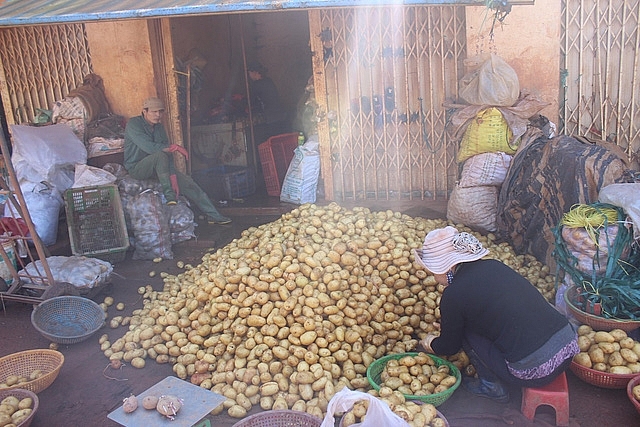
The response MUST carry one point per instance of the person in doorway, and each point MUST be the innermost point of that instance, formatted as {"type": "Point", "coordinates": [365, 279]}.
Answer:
{"type": "Point", "coordinates": [148, 154]}
{"type": "Point", "coordinates": [266, 101]}
{"type": "Point", "coordinates": [511, 334]}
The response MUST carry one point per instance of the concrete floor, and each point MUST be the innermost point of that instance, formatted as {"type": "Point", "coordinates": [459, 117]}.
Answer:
{"type": "Point", "coordinates": [83, 396]}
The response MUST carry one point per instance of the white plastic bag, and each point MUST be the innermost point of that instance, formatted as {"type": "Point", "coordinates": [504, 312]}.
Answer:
{"type": "Point", "coordinates": [625, 196]}
{"type": "Point", "coordinates": [80, 271]}
{"type": "Point", "coordinates": [46, 154]}
{"type": "Point", "coordinates": [89, 176]}
{"type": "Point", "coordinates": [494, 83]}
{"type": "Point", "coordinates": [301, 181]}
{"type": "Point", "coordinates": [378, 414]}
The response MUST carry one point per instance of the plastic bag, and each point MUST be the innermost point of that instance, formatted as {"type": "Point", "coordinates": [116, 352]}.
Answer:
{"type": "Point", "coordinates": [625, 196]}
{"type": "Point", "coordinates": [378, 413]}
{"type": "Point", "coordinates": [152, 237]}
{"type": "Point", "coordinates": [494, 82]}
{"type": "Point", "coordinates": [46, 154]}
{"type": "Point", "coordinates": [89, 176]}
{"type": "Point", "coordinates": [80, 271]}
{"type": "Point", "coordinates": [181, 222]}
{"type": "Point", "coordinates": [301, 181]}
{"type": "Point", "coordinates": [43, 205]}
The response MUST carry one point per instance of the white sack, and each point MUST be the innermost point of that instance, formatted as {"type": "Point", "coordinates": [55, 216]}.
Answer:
{"type": "Point", "coordinates": [475, 207]}
{"type": "Point", "coordinates": [301, 181]}
{"type": "Point", "coordinates": [485, 169]}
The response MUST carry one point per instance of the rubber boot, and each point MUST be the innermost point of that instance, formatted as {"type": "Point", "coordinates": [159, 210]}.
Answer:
{"type": "Point", "coordinates": [167, 188]}
{"type": "Point", "coordinates": [487, 384]}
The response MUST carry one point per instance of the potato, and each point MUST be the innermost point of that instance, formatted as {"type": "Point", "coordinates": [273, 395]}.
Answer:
{"type": "Point", "coordinates": [21, 415]}
{"type": "Point", "coordinates": [237, 411]}
{"type": "Point", "coordinates": [5, 420]}
{"type": "Point", "coordinates": [618, 334]}
{"type": "Point", "coordinates": [597, 355]}
{"type": "Point", "coordinates": [138, 362]}
{"type": "Point", "coordinates": [130, 404]}
{"type": "Point", "coordinates": [602, 336]}
{"type": "Point", "coordinates": [168, 405]}
{"type": "Point", "coordinates": [5, 408]}
{"type": "Point", "coordinates": [11, 401]}
{"type": "Point", "coordinates": [150, 402]}
{"type": "Point", "coordinates": [620, 370]}
{"type": "Point", "coordinates": [583, 359]}
{"type": "Point", "coordinates": [448, 381]}
{"type": "Point", "coordinates": [636, 392]}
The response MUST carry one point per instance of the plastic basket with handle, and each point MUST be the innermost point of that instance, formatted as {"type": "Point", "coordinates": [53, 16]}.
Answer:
{"type": "Point", "coordinates": [374, 372]}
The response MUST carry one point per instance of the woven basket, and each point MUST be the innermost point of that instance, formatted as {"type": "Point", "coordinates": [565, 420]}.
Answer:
{"type": "Point", "coordinates": [22, 394]}
{"type": "Point", "coordinates": [446, 423]}
{"type": "Point", "coordinates": [280, 418]}
{"type": "Point", "coordinates": [598, 323]}
{"type": "Point", "coordinates": [25, 362]}
{"type": "Point", "coordinates": [634, 382]}
{"type": "Point", "coordinates": [601, 379]}
{"type": "Point", "coordinates": [67, 319]}
{"type": "Point", "coordinates": [374, 371]}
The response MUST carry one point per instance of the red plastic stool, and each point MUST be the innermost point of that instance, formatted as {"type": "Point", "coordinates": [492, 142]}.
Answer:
{"type": "Point", "coordinates": [555, 394]}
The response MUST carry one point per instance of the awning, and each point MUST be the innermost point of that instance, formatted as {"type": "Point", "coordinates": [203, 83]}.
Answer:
{"type": "Point", "coordinates": [35, 12]}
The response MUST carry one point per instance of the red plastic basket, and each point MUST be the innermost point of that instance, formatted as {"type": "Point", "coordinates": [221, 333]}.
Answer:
{"type": "Point", "coordinates": [601, 379]}
{"type": "Point", "coordinates": [634, 382]}
{"type": "Point", "coordinates": [275, 155]}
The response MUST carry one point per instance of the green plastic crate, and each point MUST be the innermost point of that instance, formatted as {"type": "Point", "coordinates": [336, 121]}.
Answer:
{"type": "Point", "coordinates": [96, 223]}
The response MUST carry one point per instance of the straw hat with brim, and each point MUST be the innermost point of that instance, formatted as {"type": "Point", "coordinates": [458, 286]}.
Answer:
{"type": "Point", "coordinates": [445, 247]}
{"type": "Point", "coordinates": [153, 104]}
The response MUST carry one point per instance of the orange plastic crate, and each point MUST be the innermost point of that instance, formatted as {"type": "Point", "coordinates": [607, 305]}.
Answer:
{"type": "Point", "coordinates": [275, 155]}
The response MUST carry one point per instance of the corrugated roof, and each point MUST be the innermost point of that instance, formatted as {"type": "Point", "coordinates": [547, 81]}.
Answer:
{"type": "Point", "coordinates": [34, 12]}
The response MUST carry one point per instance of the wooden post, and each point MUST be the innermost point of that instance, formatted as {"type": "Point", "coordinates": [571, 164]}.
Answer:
{"type": "Point", "coordinates": [319, 84]}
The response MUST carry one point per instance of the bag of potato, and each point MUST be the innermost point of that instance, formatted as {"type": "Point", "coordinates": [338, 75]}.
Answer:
{"type": "Point", "coordinates": [378, 412]}
{"type": "Point", "coordinates": [485, 169]}
{"type": "Point", "coordinates": [591, 255]}
{"type": "Point", "coordinates": [488, 132]}
{"type": "Point", "coordinates": [475, 207]}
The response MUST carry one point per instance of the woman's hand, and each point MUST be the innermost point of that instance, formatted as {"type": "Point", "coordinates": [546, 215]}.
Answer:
{"type": "Point", "coordinates": [426, 342]}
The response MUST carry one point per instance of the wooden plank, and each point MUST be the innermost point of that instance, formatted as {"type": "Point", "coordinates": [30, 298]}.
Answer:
{"type": "Point", "coordinates": [319, 84]}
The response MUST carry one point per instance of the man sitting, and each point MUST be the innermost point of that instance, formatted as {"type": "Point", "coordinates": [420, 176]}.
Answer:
{"type": "Point", "coordinates": [148, 154]}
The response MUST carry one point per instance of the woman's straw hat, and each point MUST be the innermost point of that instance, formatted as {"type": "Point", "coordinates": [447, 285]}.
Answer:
{"type": "Point", "coordinates": [445, 247]}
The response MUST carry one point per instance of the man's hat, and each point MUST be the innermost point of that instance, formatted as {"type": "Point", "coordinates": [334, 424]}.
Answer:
{"type": "Point", "coordinates": [153, 104]}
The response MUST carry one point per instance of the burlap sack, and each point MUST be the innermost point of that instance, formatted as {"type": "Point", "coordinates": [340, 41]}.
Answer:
{"type": "Point", "coordinates": [485, 169]}
{"type": "Point", "coordinates": [475, 207]}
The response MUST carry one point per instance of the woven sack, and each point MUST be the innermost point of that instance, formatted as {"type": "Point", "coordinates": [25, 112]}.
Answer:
{"type": "Point", "coordinates": [591, 258]}
{"type": "Point", "coordinates": [488, 132]}
{"type": "Point", "coordinates": [485, 169]}
{"type": "Point", "coordinates": [475, 207]}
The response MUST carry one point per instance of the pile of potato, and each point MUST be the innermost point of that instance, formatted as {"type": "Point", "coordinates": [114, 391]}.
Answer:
{"type": "Point", "coordinates": [18, 380]}
{"type": "Point", "coordinates": [298, 308]}
{"type": "Point", "coordinates": [13, 410]}
{"type": "Point", "coordinates": [415, 375]}
{"type": "Point", "coordinates": [416, 415]}
{"type": "Point", "coordinates": [612, 351]}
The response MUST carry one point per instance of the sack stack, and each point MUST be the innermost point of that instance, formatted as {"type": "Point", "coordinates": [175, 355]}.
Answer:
{"type": "Point", "coordinates": [487, 145]}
